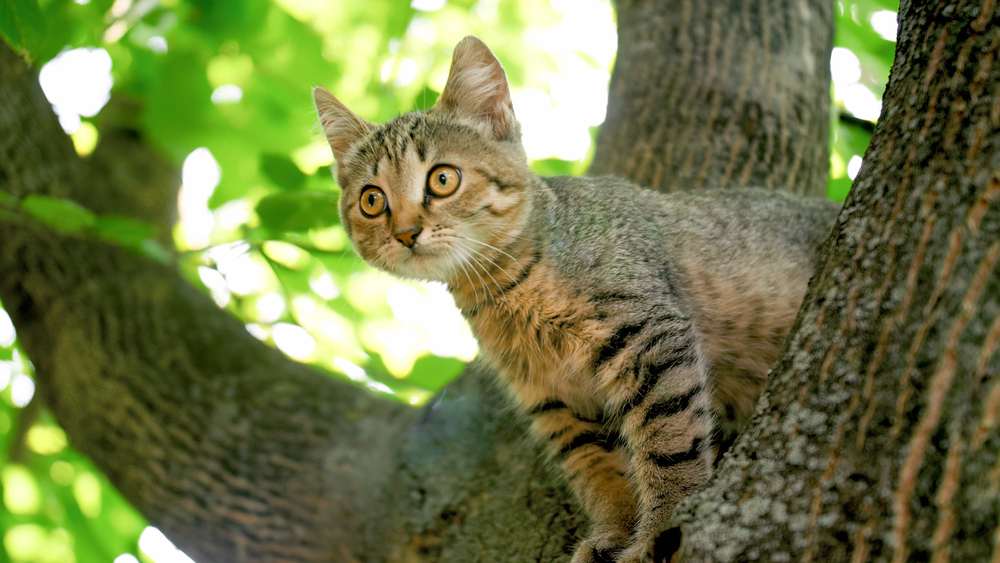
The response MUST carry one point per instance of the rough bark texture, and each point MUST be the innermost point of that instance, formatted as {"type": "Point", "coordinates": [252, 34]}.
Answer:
{"type": "Point", "coordinates": [239, 454]}
{"type": "Point", "coordinates": [877, 437]}
{"type": "Point", "coordinates": [726, 93]}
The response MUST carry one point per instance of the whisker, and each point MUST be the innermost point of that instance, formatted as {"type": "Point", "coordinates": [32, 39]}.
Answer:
{"type": "Point", "coordinates": [486, 270]}
{"type": "Point", "coordinates": [475, 254]}
{"type": "Point", "coordinates": [476, 268]}
{"type": "Point", "coordinates": [487, 245]}
{"type": "Point", "coordinates": [475, 291]}
{"type": "Point", "coordinates": [484, 256]}
{"type": "Point", "coordinates": [495, 265]}
{"type": "Point", "coordinates": [473, 265]}
{"type": "Point", "coordinates": [511, 239]}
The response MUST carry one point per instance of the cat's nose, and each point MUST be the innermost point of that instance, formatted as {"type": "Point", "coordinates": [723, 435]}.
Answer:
{"type": "Point", "coordinates": [408, 236]}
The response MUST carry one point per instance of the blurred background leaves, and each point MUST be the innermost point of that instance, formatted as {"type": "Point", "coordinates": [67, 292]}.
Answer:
{"type": "Point", "coordinates": [224, 91]}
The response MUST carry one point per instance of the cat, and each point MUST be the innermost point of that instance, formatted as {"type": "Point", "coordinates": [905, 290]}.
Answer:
{"type": "Point", "coordinates": [629, 325]}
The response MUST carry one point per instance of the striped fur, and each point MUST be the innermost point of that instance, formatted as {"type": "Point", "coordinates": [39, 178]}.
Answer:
{"type": "Point", "coordinates": [629, 325]}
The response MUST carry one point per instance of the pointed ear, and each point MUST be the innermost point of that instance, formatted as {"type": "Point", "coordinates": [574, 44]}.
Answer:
{"type": "Point", "coordinates": [477, 88]}
{"type": "Point", "coordinates": [342, 127]}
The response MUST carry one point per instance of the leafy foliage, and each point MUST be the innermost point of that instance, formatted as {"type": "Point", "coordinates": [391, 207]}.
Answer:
{"type": "Point", "coordinates": [68, 217]}
{"type": "Point", "coordinates": [60, 214]}
{"type": "Point", "coordinates": [224, 88]}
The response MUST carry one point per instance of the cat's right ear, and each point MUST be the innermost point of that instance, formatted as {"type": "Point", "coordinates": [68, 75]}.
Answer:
{"type": "Point", "coordinates": [342, 128]}
{"type": "Point", "coordinates": [477, 87]}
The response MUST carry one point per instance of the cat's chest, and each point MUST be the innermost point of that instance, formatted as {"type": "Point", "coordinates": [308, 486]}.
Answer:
{"type": "Point", "coordinates": [539, 330]}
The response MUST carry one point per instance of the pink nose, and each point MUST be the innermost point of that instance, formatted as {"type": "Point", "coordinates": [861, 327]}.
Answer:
{"type": "Point", "coordinates": [408, 236]}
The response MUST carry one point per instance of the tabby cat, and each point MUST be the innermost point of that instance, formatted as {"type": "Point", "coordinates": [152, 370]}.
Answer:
{"type": "Point", "coordinates": [628, 324]}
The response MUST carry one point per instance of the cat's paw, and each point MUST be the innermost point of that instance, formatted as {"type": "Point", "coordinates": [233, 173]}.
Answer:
{"type": "Point", "coordinates": [636, 553]}
{"type": "Point", "coordinates": [661, 550]}
{"type": "Point", "coordinates": [602, 548]}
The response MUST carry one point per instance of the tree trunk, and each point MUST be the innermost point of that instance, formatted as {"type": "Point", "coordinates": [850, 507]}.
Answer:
{"type": "Point", "coordinates": [241, 455]}
{"type": "Point", "coordinates": [877, 439]}
{"type": "Point", "coordinates": [726, 93]}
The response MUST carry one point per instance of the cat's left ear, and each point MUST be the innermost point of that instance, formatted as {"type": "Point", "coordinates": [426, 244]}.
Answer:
{"type": "Point", "coordinates": [341, 126]}
{"type": "Point", "coordinates": [477, 88]}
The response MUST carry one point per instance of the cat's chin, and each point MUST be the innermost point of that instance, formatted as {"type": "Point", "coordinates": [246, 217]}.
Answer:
{"type": "Point", "coordinates": [423, 266]}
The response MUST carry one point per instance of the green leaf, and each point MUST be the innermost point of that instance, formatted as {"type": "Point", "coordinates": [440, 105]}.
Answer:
{"type": "Point", "coordinates": [280, 170]}
{"type": "Point", "coordinates": [299, 211]}
{"type": "Point", "coordinates": [132, 233]}
{"type": "Point", "coordinates": [178, 109]}
{"type": "Point", "coordinates": [295, 282]}
{"type": "Point", "coordinates": [398, 20]}
{"type": "Point", "coordinates": [553, 167]}
{"type": "Point", "coordinates": [156, 251]}
{"type": "Point", "coordinates": [325, 172]}
{"type": "Point", "coordinates": [123, 230]}
{"type": "Point", "coordinates": [21, 23]}
{"type": "Point", "coordinates": [425, 99]}
{"type": "Point", "coordinates": [342, 263]}
{"type": "Point", "coordinates": [433, 372]}
{"type": "Point", "coordinates": [60, 214]}
{"type": "Point", "coordinates": [838, 188]}
{"type": "Point", "coordinates": [228, 20]}
{"type": "Point", "coordinates": [852, 139]}
{"type": "Point", "coordinates": [343, 308]}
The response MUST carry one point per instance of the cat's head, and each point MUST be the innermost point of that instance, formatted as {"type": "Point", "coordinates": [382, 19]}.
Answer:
{"type": "Point", "coordinates": [429, 193]}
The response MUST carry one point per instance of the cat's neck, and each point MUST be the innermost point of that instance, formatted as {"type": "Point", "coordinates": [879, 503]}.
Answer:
{"type": "Point", "coordinates": [495, 267]}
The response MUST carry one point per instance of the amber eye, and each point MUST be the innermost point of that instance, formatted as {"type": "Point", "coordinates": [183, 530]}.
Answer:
{"type": "Point", "coordinates": [372, 201]}
{"type": "Point", "coordinates": [444, 180]}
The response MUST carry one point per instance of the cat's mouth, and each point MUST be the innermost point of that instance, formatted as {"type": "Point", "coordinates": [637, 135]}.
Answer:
{"type": "Point", "coordinates": [423, 251]}
{"type": "Point", "coordinates": [427, 261]}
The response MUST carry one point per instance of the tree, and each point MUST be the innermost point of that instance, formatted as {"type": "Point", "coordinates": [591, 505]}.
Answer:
{"type": "Point", "coordinates": [875, 438]}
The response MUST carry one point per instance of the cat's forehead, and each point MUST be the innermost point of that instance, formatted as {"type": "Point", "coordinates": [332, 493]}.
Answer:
{"type": "Point", "coordinates": [426, 134]}
{"type": "Point", "coordinates": [392, 138]}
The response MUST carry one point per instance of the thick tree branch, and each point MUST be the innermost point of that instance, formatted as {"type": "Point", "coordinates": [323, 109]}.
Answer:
{"type": "Point", "coordinates": [223, 442]}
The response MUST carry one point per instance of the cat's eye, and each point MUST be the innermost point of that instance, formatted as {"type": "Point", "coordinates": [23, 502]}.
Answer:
{"type": "Point", "coordinates": [444, 180]}
{"type": "Point", "coordinates": [372, 201]}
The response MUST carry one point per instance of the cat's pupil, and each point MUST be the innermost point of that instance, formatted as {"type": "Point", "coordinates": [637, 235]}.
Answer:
{"type": "Point", "coordinates": [371, 199]}
{"type": "Point", "coordinates": [442, 178]}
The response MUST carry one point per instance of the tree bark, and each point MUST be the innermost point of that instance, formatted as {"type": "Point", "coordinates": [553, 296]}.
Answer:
{"type": "Point", "coordinates": [241, 455]}
{"type": "Point", "coordinates": [726, 93]}
{"type": "Point", "coordinates": [876, 439]}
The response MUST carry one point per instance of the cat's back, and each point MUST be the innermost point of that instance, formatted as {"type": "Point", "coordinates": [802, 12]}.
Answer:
{"type": "Point", "coordinates": [590, 218]}
{"type": "Point", "coordinates": [738, 261]}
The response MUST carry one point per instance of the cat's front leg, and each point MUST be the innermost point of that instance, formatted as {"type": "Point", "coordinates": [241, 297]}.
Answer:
{"type": "Point", "coordinates": [595, 466]}
{"type": "Point", "coordinates": [667, 422]}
